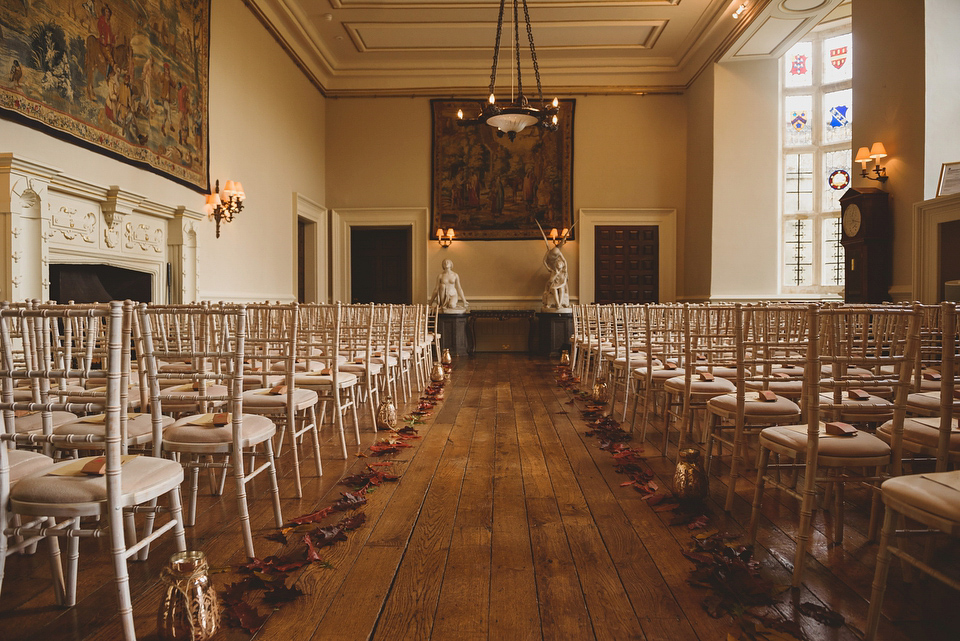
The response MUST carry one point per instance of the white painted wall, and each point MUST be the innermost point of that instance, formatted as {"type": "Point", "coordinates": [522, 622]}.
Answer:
{"type": "Point", "coordinates": [746, 222]}
{"type": "Point", "coordinates": [267, 129]}
{"type": "Point", "coordinates": [942, 99]}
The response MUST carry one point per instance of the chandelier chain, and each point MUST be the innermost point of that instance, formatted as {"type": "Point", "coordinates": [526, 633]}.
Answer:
{"type": "Point", "coordinates": [496, 49]}
{"type": "Point", "coordinates": [516, 46]}
{"type": "Point", "coordinates": [533, 51]}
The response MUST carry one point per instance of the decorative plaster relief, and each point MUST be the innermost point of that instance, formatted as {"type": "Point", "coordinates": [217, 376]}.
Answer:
{"type": "Point", "coordinates": [144, 237]}
{"type": "Point", "coordinates": [72, 224]}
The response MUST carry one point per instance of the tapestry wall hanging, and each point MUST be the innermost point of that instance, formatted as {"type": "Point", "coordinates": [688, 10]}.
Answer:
{"type": "Point", "coordinates": [125, 77]}
{"type": "Point", "coordinates": [488, 187]}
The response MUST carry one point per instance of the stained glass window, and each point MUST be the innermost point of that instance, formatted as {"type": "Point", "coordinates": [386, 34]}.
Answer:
{"type": "Point", "coordinates": [797, 65]}
{"type": "Point", "coordinates": [816, 124]}
{"type": "Point", "coordinates": [837, 59]}
{"type": "Point", "coordinates": [838, 116]}
{"type": "Point", "coordinates": [798, 112]}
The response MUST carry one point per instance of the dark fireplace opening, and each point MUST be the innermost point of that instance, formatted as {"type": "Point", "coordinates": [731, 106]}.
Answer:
{"type": "Point", "coordinates": [99, 284]}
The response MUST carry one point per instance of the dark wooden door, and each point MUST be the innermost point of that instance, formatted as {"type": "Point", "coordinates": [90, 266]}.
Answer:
{"type": "Point", "coordinates": [301, 260]}
{"type": "Point", "coordinates": [381, 265]}
{"type": "Point", "coordinates": [627, 264]}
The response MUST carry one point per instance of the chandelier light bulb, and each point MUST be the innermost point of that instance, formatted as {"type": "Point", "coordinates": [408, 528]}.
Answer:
{"type": "Point", "coordinates": [460, 114]}
{"type": "Point", "coordinates": [555, 103]}
{"type": "Point", "coordinates": [492, 99]}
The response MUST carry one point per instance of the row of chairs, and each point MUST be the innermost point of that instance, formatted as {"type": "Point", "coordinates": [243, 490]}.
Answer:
{"type": "Point", "coordinates": [794, 378]}
{"type": "Point", "coordinates": [219, 387]}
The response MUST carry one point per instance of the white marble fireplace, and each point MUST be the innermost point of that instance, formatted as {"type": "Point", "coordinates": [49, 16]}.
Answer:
{"type": "Point", "coordinates": [928, 216]}
{"type": "Point", "coordinates": [48, 217]}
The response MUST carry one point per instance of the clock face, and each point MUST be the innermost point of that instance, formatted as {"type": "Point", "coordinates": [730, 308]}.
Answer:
{"type": "Point", "coordinates": [851, 220]}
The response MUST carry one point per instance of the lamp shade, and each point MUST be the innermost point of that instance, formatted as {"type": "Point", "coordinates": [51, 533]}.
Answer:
{"type": "Point", "coordinates": [511, 122]}
{"type": "Point", "coordinates": [878, 151]}
{"type": "Point", "coordinates": [863, 156]}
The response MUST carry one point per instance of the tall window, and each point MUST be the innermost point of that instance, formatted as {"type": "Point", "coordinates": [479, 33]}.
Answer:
{"type": "Point", "coordinates": [816, 116]}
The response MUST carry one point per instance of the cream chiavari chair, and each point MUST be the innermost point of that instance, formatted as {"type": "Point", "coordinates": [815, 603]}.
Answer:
{"type": "Point", "coordinates": [708, 340]}
{"type": "Point", "coordinates": [356, 343]}
{"type": "Point", "coordinates": [320, 326]}
{"type": "Point", "coordinates": [271, 346]}
{"type": "Point", "coordinates": [664, 342]}
{"type": "Point", "coordinates": [110, 497]}
{"type": "Point", "coordinates": [384, 319]}
{"type": "Point", "coordinates": [840, 340]}
{"type": "Point", "coordinates": [932, 500]}
{"type": "Point", "coordinates": [630, 354]}
{"type": "Point", "coordinates": [770, 353]}
{"type": "Point", "coordinates": [210, 357]}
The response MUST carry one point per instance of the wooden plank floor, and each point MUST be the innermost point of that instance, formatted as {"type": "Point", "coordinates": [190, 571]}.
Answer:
{"type": "Point", "coordinates": [508, 523]}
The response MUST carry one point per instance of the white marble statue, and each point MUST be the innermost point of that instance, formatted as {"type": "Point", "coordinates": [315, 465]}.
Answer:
{"type": "Point", "coordinates": [448, 294]}
{"type": "Point", "coordinates": [556, 295]}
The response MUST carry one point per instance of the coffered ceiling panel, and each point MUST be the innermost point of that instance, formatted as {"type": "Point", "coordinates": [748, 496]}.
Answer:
{"type": "Point", "coordinates": [445, 47]}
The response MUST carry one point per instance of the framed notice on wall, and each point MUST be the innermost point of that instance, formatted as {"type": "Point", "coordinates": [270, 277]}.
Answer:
{"type": "Point", "coordinates": [949, 179]}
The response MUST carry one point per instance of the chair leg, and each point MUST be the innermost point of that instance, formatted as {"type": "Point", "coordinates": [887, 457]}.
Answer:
{"type": "Point", "coordinates": [876, 508]}
{"type": "Point", "coordinates": [807, 508]}
{"type": "Point", "coordinates": [176, 513]}
{"type": "Point", "coordinates": [764, 459]}
{"type": "Point", "coordinates": [295, 450]}
{"type": "Point", "coordinates": [118, 551]}
{"type": "Point", "coordinates": [236, 462]}
{"type": "Point", "coordinates": [736, 462]}
{"type": "Point", "coordinates": [880, 576]}
{"type": "Point", "coordinates": [315, 432]}
{"type": "Point", "coordinates": [338, 421]}
{"type": "Point", "coordinates": [274, 486]}
{"type": "Point", "coordinates": [56, 567]}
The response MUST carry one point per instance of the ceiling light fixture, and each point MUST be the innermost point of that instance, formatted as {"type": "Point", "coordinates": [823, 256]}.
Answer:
{"type": "Point", "coordinates": [513, 117]}
{"type": "Point", "coordinates": [740, 10]}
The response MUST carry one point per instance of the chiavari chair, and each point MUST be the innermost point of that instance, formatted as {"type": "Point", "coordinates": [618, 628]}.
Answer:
{"type": "Point", "coordinates": [629, 354]}
{"type": "Point", "coordinates": [931, 500]}
{"type": "Point", "coordinates": [664, 342]}
{"type": "Point", "coordinates": [106, 490]}
{"type": "Point", "coordinates": [770, 352]}
{"type": "Point", "coordinates": [271, 347]}
{"type": "Point", "coordinates": [841, 340]}
{"type": "Point", "coordinates": [357, 344]}
{"type": "Point", "coordinates": [213, 431]}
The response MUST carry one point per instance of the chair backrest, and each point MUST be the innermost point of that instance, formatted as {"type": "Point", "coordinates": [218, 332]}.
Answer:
{"type": "Point", "coordinates": [320, 327]}
{"type": "Point", "coordinates": [949, 380]}
{"type": "Point", "coordinates": [771, 345]}
{"type": "Point", "coordinates": [271, 342]}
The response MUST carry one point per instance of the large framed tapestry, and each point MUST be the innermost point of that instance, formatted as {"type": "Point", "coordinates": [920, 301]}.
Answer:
{"type": "Point", "coordinates": [488, 187]}
{"type": "Point", "coordinates": [127, 78]}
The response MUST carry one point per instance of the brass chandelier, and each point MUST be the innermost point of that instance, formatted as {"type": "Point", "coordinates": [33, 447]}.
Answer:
{"type": "Point", "coordinates": [514, 116]}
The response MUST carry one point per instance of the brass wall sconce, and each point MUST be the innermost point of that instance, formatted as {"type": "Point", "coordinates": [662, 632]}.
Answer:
{"type": "Point", "coordinates": [445, 239]}
{"type": "Point", "coordinates": [558, 239]}
{"type": "Point", "coordinates": [875, 153]}
{"type": "Point", "coordinates": [222, 207]}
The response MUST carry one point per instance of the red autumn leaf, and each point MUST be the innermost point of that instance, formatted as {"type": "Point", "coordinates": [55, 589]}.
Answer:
{"type": "Point", "coordinates": [329, 535]}
{"type": "Point", "coordinates": [353, 522]}
{"type": "Point", "coordinates": [626, 483]}
{"type": "Point", "coordinates": [281, 594]}
{"type": "Point", "coordinates": [823, 615]}
{"type": "Point", "coordinates": [277, 537]}
{"type": "Point", "coordinates": [381, 463]}
{"type": "Point", "coordinates": [350, 501]}
{"type": "Point", "coordinates": [313, 517]}
{"type": "Point", "coordinates": [243, 615]}
{"type": "Point", "coordinates": [666, 506]}
{"type": "Point", "coordinates": [234, 592]}
{"type": "Point", "coordinates": [313, 553]}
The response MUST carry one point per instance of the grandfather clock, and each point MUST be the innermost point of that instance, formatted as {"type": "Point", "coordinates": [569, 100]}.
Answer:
{"type": "Point", "coordinates": [867, 241]}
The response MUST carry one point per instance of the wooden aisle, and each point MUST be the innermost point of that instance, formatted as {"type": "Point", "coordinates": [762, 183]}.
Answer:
{"type": "Point", "coordinates": [508, 523]}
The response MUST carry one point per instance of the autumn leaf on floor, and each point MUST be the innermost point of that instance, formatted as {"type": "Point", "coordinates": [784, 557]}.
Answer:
{"type": "Point", "coordinates": [350, 501]}
{"type": "Point", "coordinates": [824, 615]}
{"type": "Point", "coordinates": [353, 522]}
{"type": "Point", "coordinates": [408, 432]}
{"type": "Point", "coordinates": [313, 550]}
{"type": "Point", "coordinates": [313, 517]}
{"type": "Point", "coordinates": [281, 594]}
{"type": "Point", "coordinates": [731, 574]}
{"type": "Point", "coordinates": [277, 537]}
{"type": "Point", "coordinates": [244, 616]}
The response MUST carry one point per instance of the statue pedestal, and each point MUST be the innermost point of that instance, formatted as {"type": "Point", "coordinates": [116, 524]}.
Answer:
{"type": "Point", "coordinates": [453, 332]}
{"type": "Point", "coordinates": [555, 331]}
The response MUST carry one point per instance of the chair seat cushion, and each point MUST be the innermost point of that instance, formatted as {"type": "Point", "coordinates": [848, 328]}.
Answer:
{"type": "Point", "coordinates": [142, 478]}
{"type": "Point", "coordinates": [715, 387]}
{"type": "Point", "coordinates": [33, 422]}
{"type": "Point", "coordinates": [753, 406]}
{"type": "Point", "coordinates": [254, 429]}
{"type": "Point", "coordinates": [795, 437]}
{"type": "Point", "coordinates": [253, 380]}
{"type": "Point", "coordinates": [790, 388]}
{"type": "Point", "coordinates": [925, 402]}
{"type": "Point", "coordinates": [139, 428]}
{"type": "Point", "coordinates": [24, 462]}
{"type": "Point", "coordinates": [390, 360]}
{"type": "Point", "coordinates": [937, 493]}
{"type": "Point", "coordinates": [924, 431]}
{"type": "Point", "coordinates": [361, 368]}
{"type": "Point", "coordinates": [183, 394]}
{"type": "Point", "coordinates": [659, 374]}
{"type": "Point", "coordinates": [262, 398]}
{"type": "Point", "coordinates": [871, 405]}
{"type": "Point", "coordinates": [637, 359]}
{"type": "Point", "coordinates": [721, 371]}
{"type": "Point", "coordinates": [344, 379]}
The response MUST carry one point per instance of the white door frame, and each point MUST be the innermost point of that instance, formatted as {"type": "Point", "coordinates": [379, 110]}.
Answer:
{"type": "Point", "coordinates": [666, 222]}
{"type": "Point", "coordinates": [415, 218]}
{"type": "Point", "coordinates": [317, 268]}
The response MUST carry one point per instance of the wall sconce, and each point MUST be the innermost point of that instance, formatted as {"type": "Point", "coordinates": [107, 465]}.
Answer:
{"type": "Point", "coordinates": [560, 239]}
{"type": "Point", "coordinates": [740, 10]}
{"type": "Point", "coordinates": [445, 240]}
{"type": "Point", "coordinates": [875, 153]}
{"type": "Point", "coordinates": [223, 207]}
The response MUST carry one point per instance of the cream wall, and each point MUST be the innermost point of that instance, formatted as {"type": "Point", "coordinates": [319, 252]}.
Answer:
{"type": "Point", "coordinates": [629, 152]}
{"type": "Point", "coordinates": [890, 108]}
{"type": "Point", "coordinates": [942, 97]}
{"type": "Point", "coordinates": [267, 129]}
{"type": "Point", "coordinates": [700, 159]}
{"type": "Point", "coordinates": [746, 223]}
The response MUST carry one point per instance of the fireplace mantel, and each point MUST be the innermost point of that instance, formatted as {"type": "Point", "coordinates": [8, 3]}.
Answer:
{"type": "Point", "coordinates": [48, 217]}
{"type": "Point", "coordinates": [928, 215]}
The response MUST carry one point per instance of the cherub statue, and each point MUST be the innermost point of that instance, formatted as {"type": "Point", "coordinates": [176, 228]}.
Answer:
{"type": "Point", "coordinates": [448, 294]}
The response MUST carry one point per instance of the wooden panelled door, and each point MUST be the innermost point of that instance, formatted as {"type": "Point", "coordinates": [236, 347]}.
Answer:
{"type": "Point", "coordinates": [627, 264]}
{"type": "Point", "coordinates": [381, 265]}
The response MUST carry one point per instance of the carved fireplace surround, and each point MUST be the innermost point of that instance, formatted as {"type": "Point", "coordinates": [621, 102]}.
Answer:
{"type": "Point", "coordinates": [48, 217]}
